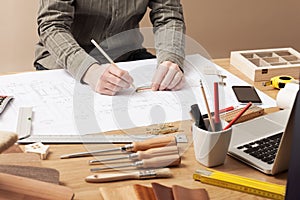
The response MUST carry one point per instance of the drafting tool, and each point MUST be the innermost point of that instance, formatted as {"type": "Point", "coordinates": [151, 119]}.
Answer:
{"type": "Point", "coordinates": [207, 107]}
{"type": "Point", "coordinates": [139, 155]}
{"type": "Point", "coordinates": [279, 81]}
{"type": "Point", "coordinates": [106, 56]}
{"type": "Point", "coordinates": [24, 122]}
{"type": "Point", "coordinates": [240, 183]}
{"type": "Point", "coordinates": [251, 113]}
{"type": "Point", "coordinates": [157, 162]}
{"type": "Point", "coordinates": [133, 147]}
{"type": "Point", "coordinates": [142, 174]}
{"type": "Point", "coordinates": [95, 138]}
{"type": "Point", "coordinates": [4, 101]}
{"type": "Point", "coordinates": [239, 114]}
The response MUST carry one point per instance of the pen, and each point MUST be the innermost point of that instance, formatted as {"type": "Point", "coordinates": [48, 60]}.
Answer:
{"type": "Point", "coordinates": [207, 107]}
{"type": "Point", "coordinates": [106, 56]}
{"type": "Point", "coordinates": [238, 115]}
{"type": "Point", "coordinates": [220, 111]}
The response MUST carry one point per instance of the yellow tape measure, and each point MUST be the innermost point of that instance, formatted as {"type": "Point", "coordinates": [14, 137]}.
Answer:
{"type": "Point", "coordinates": [279, 81]}
{"type": "Point", "coordinates": [239, 183]}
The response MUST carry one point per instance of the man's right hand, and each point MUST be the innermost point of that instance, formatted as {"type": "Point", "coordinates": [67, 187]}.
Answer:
{"type": "Point", "coordinates": [107, 79]}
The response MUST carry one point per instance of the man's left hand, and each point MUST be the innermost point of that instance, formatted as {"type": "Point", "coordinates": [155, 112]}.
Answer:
{"type": "Point", "coordinates": [168, 76]}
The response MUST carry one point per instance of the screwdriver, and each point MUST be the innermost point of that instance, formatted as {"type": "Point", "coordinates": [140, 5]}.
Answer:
{"type": "Point", "coordinates": [156, 162]}
{"type": "Point", "coordinates": [139, 155]}
{"type": "Point", "coordinates": [142, 174]}
{"type": "Point", "coordinates": [133, 147]}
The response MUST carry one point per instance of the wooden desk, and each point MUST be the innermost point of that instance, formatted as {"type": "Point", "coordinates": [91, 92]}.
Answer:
{"type": "Point", "coordinates": [73, 171]}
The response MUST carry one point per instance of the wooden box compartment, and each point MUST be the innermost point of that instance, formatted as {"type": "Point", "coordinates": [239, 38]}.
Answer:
{"type": "Point", "coordinates": [261, 65]}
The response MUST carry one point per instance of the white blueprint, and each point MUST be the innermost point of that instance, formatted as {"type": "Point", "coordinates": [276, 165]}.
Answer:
{"type": "Point", "coordinates": [62, 106]}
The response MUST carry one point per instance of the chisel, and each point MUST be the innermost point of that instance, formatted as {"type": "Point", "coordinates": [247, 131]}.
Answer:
{"type": "Point", "coordinates": [133, 147]}
{"type": "Point", "coordinates": [142, 174]}
{"type": "Point", "coordinates": [139, 155]}
{"type": "Point", "coordinates": [156, 162]}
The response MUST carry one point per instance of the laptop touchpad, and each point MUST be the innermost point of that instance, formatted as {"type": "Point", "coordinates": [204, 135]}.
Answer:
{"type": "Point", "coordinates": [254, 129]}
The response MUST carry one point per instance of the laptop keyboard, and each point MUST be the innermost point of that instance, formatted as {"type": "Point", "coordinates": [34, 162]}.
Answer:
{"type": "Point", "coordinates": [264, 149]}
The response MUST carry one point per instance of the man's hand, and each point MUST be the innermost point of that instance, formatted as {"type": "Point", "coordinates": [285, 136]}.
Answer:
{"type": "Point", "coordinates": [168, 76]}
{"type": "Point", "coordinates": [107, 79]}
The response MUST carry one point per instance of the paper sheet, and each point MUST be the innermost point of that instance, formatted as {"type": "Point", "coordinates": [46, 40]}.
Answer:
{"type": "Point", "coordinates": [62, 106]}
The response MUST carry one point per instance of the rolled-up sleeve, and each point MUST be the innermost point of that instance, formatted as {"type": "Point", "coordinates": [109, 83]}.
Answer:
{"type": "Point", "coordinates": [55, 18]}
{"type": "Point", "coordinates": [169, 28]}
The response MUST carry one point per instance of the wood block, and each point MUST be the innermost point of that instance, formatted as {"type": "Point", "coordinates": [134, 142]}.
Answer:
{"type": "Point", "coordinates": [38, 173]}
{"type": "Point", "coordinates": [23, 159]}
{"type": "Point", "coordinates": [252, 112]}
{"type": "Point", "coordinates": [13, 149]}
{"type": "Point", "coordinates": [262, 65]}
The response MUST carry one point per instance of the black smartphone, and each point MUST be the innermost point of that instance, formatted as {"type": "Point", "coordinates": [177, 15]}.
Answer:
{"type": "Point", "coordinates": [245, 94]}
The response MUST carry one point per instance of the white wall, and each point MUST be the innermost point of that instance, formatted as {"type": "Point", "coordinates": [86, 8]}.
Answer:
{"type": "Point", "coordinates": [220, 26]}
{"type": "Point", "coordinates": [17, 35]}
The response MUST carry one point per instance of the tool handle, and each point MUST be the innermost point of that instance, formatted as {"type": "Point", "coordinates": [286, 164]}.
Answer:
{"type": "Point", "coordinates": [156, 152]}
{"type": "Point", "coordinates": [153, 143]}
{"type": "Point", "coordinates": [143, 174]}
{"type": "Point", "coordinates": [162, 161]}
{"type": "Point", "coordinates": [109, 177]}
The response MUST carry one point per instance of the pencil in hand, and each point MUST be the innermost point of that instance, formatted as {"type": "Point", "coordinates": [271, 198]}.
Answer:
{"type": "Point", "coordinates": [106, 56]}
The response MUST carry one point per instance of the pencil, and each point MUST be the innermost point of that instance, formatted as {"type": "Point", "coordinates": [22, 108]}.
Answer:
{"type": "Point", "coordinates": [238, 115]}
{"type": "Point", "coordinates": [207, 107]}
{"type": "Point", "coordinates": [106, 56]}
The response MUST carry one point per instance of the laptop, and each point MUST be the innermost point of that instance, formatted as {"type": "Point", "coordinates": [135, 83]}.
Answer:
{"type": "Point", "coordinates": [265, 142]}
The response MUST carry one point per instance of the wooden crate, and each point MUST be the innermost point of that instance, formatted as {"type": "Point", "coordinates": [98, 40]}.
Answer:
{"type": "Point", "coordinates": [261, 65]}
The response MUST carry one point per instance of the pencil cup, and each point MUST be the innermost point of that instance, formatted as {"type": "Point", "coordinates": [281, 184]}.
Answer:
{"type": "Point", "coordinates": [211, 147]}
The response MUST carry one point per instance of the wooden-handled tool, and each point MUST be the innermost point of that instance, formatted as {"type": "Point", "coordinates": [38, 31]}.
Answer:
{"type": "Point", "coordinates": [142, 174]}
{"type": "Point", "coordinates": [133, 147]}
{"type": "Point", "coordinates": [15, 187]}
{"type": "Point", "coordinates": [139, 155]}
{"type": "Point", "coordinates": [156, 162]}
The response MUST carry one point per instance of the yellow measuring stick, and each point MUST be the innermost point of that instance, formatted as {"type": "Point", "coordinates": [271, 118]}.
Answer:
{"type": "Point", "coordinates": [240, 183]}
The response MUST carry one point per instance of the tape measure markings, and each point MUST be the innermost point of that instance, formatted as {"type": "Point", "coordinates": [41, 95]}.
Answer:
{"type": "Point", "coordinates": [241, 184]}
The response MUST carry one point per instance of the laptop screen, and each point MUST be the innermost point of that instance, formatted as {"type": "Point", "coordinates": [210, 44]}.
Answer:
{"type": "Point", "coordinates": [293, 181]}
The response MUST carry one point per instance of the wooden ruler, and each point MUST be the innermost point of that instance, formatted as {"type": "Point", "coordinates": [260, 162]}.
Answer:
{"type": "Point", "coordinates": [240, 183]}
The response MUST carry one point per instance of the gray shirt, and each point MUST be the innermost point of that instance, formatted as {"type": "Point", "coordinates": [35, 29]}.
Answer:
{"type": "Point", "coordinates": [66, 28]}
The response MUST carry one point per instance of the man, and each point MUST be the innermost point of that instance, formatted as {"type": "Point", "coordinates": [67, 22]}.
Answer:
{"type": "Point", "coordinates": [66, 28]}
